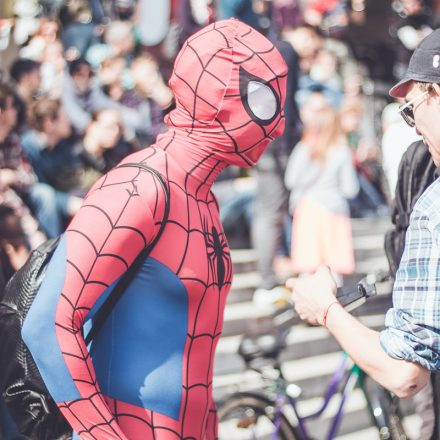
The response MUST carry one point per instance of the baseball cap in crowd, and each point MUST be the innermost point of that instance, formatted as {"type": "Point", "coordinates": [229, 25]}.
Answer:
{"type": "Point", "coordinates": [424, 65]}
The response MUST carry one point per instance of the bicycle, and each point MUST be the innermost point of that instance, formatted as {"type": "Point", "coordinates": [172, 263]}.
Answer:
{"type": "Point", "coordinates": [263, 415]}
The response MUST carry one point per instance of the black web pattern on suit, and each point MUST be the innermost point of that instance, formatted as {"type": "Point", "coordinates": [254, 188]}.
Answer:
{"type": "Point", "coordinates": [212, 281]}
{"type": "Point", "coordinates": [219, 265]}
{"type": "Point", "coordinates": [205, 69]}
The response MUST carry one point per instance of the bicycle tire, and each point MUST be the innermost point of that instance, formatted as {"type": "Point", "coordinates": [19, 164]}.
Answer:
{"type": "Point", "coordinates": [240, 415]}
{"type": "Point", "coordinates": [384, 410]}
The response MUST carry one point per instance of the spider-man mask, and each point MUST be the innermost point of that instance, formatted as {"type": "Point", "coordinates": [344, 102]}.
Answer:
{"type": "Point", "coordinates": [229, 82]}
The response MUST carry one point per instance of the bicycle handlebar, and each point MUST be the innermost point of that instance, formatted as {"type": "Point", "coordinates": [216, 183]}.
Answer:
{"type": "Point", "coordinates": [353, 296]}
{"type": "Point", "coordinates": [268, 345]}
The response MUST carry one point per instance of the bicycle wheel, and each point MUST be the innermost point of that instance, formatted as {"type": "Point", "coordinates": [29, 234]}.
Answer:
{"type": "Point", "coordinates": [252, 417]}
{"type": "Point", "coordinates": [384, 410]}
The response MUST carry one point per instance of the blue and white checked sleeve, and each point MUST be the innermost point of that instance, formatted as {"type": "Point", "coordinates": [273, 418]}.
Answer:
{"type": "Point", "coordinates": [413, 324]}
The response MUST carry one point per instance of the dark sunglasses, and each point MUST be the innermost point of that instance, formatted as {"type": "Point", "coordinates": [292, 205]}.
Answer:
{"type": "Point", "coordinates": [407, 110]}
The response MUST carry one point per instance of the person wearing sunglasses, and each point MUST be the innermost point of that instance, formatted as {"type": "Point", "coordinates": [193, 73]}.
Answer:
{"type": "Point", "coordinates": [407, 110]}
{"type": "Point", "coordinates": [401, 356]}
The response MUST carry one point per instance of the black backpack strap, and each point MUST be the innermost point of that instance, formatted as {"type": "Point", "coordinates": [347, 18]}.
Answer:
{"type": "Point", "coordinates": [127, 277]}
{"type": "Point", "coordinates": [401, 220]}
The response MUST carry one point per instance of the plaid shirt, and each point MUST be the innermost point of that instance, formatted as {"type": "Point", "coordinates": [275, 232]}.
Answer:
{"type": "Point", "coordinates": [413, 324]}
{"type": "Point", "coordinates": [12, 156]}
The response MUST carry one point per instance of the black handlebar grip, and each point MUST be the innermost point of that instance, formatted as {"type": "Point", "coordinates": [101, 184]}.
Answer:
{"type": "Point", "coordinates": [351, 297]}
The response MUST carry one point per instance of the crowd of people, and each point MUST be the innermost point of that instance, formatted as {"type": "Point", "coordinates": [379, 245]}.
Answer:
{"type": "Point", "coordinates": [85, 83]}
{"type": "Point", "coordinates": [67, 117]}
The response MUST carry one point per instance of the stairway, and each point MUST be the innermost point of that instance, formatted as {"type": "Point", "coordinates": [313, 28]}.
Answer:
{"type": "Point", "coordinates": [312, 354]}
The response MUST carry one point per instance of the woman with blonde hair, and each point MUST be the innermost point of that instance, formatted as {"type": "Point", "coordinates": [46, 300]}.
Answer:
{"type": "Point", "coordinates": [321, 177]}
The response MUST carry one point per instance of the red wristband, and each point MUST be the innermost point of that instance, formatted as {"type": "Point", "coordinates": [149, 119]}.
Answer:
{"type": "Point", "coordinates": [324, 319]}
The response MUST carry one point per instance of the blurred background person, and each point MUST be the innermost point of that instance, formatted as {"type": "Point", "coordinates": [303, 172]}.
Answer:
{"type": "Point", "coordinates": [271, 223]}
{"type": "Point", "coordinates": [150, 97]}
{"type": "Point", "coordinates": [27, 76]}
{"type": "Point", "coordinates": [241, 9]}
{"type": "Point", "coordinates": [397, 137]}
{"type": "Point", "coordinates": [18, 182]}
{"type": "Point", "coordinates": [371, 199]}
{"type": "Point", "coordinates": [47, 33]}
{"type": "Point", "coordinates": [118, 41]}
{"type": "Point", "coordinates": [56, 155]}
{"type": "Point", "coordinates": [82, 95]}
{"type": "Point", "coordinates": [321, 177]}
{"type": "Point", "coordinates": [104, 140]}
{"type": "Point", "coordinates": [53, 65]}
{"type": "Point", "coordinates": [79, 31]}
{"type": "Point", "coordinates": [410, 24]}
{"type": "Point", "coordinates": [14, 247]}
{"type": "Point", "coordinates": [193, 15]}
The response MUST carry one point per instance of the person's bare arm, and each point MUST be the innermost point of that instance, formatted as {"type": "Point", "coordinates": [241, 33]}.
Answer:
{"type": "Point", "coordinates": [313, 295]}
{"type": "Point", "coordinates": [362, 344]}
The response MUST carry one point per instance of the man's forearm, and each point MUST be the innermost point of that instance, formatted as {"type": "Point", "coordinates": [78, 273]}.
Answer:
{"type": "Point", "coordinates": [363, 346]}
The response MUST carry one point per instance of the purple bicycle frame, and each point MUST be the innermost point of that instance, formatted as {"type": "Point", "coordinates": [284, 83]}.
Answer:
{"type": "Point", "coordinates": [332, 388]}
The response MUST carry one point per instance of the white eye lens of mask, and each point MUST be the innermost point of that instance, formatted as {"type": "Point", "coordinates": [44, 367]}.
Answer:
{"type": "Point", "coordinates": [261, 100]}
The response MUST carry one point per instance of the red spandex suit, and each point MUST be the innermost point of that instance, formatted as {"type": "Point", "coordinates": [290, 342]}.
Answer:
{"type": "Point", "coordinates": [148, 374]}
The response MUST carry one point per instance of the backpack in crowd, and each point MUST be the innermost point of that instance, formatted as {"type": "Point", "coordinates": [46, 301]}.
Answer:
{"type": "Point", "coordinates": [26, 396]}
{"type": "Point", "coordinates": [24, 392]}
{"type": "Point", "coordinates": [416, 172]}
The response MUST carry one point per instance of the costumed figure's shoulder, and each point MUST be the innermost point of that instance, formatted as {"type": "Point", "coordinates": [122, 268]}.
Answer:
{"type": "Point", "coordinates": [141, 175]}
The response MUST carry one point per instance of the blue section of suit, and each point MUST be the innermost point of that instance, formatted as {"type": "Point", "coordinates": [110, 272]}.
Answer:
{"type": "Point", "coordinates": [39, 333]}
{"type": "Point", "coordinates": [137, 354]}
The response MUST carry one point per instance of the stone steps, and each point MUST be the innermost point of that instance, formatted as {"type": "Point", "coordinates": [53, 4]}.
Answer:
{"type": "Point", "coordinates": [312, 354]}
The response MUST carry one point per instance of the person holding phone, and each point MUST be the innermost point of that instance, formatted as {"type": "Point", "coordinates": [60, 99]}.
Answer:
{"type": "Point", "coordinates": [402, 355]}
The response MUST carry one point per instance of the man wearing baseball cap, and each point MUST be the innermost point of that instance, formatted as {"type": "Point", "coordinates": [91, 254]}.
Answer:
{"type": "Point", "coordinates": [403, 354]}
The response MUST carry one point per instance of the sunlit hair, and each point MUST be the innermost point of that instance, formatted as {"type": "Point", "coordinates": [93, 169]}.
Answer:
{"type": "Point", "coordinates": [142, 60]}
{"type": "Point", "coordinates": [352, 105]}
{"type": "Point", "coordinates": [96, 117]}
{"type": "Point", "coordinates": [42, 109]}
{"type": "Point", "coordinates": [44, 22]}
{"type": "Point", "coordinates": [323, 132]}
{"type": "Point", "coordinates": [117, 31]}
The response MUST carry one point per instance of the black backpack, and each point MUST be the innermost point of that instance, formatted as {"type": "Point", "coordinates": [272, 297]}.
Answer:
{"type": "Point", "coordinates": [416, 172]}
{"type": "Point", "coordinates": [26, 397]}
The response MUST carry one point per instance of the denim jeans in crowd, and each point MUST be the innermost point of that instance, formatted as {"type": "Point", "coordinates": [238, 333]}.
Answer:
{"type": "Point", "coordinates": [49, 207]}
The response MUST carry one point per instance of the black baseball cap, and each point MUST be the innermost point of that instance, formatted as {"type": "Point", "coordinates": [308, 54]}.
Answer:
{"type": "Point", "coordinates": [424, 65]}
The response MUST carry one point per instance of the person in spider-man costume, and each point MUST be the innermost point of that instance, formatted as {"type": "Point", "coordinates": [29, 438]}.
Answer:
{"type": "Point", "coordinates": [149, 372]}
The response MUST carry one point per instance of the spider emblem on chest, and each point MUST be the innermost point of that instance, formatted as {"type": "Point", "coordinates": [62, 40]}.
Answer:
{"type": "Point", "coordinates": [218, 255]}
